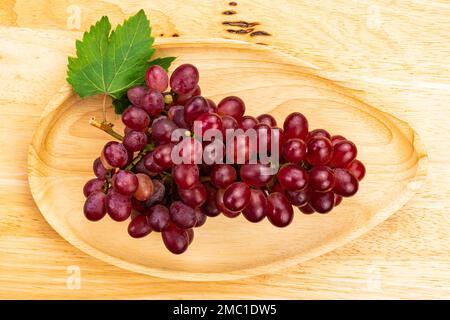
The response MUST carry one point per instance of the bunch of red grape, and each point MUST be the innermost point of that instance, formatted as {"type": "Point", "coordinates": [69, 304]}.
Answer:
{"type": "Point", "coordinates": [137, 177]}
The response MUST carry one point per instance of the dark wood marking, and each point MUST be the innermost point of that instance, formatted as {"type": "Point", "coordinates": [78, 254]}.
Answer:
{"type": "Point", "coordinates": [232, 3]}
{"type": "Point", "coordinates": [175, 35]}
{"type": "Point", "coordinates": [262, 43]}
{"type": "Point", "coordinates": [229, 12]}
{"type": "Point", "coordinates": [242, 24]}
{"type": "Point", "coordinates": [259, 33]}
{"type": "Point", "coordinates": [161, 35]}
{"type": "Point", "coordinates": [240, 31]}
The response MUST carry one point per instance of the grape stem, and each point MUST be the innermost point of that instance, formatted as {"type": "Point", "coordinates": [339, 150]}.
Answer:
{"type": "Point", "coordinates": [149, 147]}
{"type": "Point", "coordinates": [106, 127]}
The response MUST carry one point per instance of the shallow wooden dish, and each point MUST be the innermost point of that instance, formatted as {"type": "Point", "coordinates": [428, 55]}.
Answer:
{"type": "Point", "coordinates": [64, 146]}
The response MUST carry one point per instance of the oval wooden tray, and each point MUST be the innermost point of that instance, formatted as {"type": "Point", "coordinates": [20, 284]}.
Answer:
{"type": "Point", "coordinates": [64, 146]}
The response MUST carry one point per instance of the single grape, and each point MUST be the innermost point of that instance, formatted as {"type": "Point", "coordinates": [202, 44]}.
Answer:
{"type": "Point", "coordinates": [256, 175]}
{"type": "Point", "coordinates": [322, 202]}
{"type": "Point", "coordinates": [139, 227]}
{"type": "Point", "coordinates": [135, 118]}
{"type": "Point", "coordinates": [222, 207]}
{"type": "Point", "coordinates": [267, 119]}
{"type": "Point", "coordinates": [176, 114]}
{"type": "Point", "coordinates": [264, 138]}
{"type": "Point", "coordinates": [296, 126]}
{"type": "Point", "coordinates": [92, 186]}
{"type": "Point", "coordinates": [162, 155]}
{"type": "Point", "coordinates": [125, 182]}
{"type": "Point", "coordinates": [258, 206]}
{"type": "Point", "coordinates": [118, 205]}
{"type": "Point", "coordinates": [158, 217]}
{"type": "Point", "coordinates": [357, 168]}
{"type": "Point", "coordinates": [321, 179]}
{"type": "Point", "coordinates": [280, 212]}
{"type": "Point", "coordinates": [294, 150]}
{"type": "Point", "coordinates": [318, 133]}
{"type": "Point", "coordinates": [337, 138]}
{"type": "Point", "coordinates": [292, 177]}
{"type": "Point", "coordinates": [184, 79]}
{"type": "Point", "coordinates": [212, 107]}
{"type": "Point", "coordinates": [182, 215]}
{"type": "Point", "coordinates": [194, 108]}
{"type": "Point", "coordinates": [209, 121]}
{"type": "Point", "coordinates": [344, 152]}
{"type": "Point", "coordinates": [346, 184]}
{"type": "Point", "coordinates": [222, 175]}
{"type": "Point", "coordinates": [162, 130]}
{"type": "Point", "coordinates": [247, 122]}
{"type": "Point", "coordinates": [159, 191]}
{"type": "Point", "coordinates": [95, 206]}
{"type": "Point", "coordinates": [135, 140]}
{"type": "Point", "coordinates": [175, 239]}
{"type": "Point", "coordinates": [156, 78]}
{"type": "Point", "coordinates": [320, 151]}
{"type": "Point", "coordinates": [145, 187]}
{"type": "Point", "coordinates": [200, 217]}
{"type": "Point", "coordinates": [185, 175]}
{"type": "Point", "coordinates": [299, 198]}
{"type": "Point", "coordinates": [228, 122]}
{"type": "Point", "coordinates": [115, 154]}
{"type": "Point", "coordinates": [236, 196]}
{"type": "Point", "coordinates": [150, 164]}
{"type": "Point", "coordinates": [210, 207]}
{"type": "Point", "coordinates": [99, 170]}
{"type": "Point", "coordinates": [195, 196]}
{"type": "Point", "coordinates": [337, 200]}
{"type": "Point", "coordinates": [152, 102]}
{"type": "Point", "coordinates": [135, 95]}
{"type": "Point", "coordinates": [232, 106]}
{"type": "Point", "coordinates": [307, 209]}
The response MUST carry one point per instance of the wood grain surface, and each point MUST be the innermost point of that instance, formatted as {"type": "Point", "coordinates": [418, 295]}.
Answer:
{"type": "Point", "coordinates": [392, 54]}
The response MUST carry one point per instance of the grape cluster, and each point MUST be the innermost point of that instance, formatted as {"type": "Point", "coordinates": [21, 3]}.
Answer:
{"type": "Point", "coordinates": [137, 180]}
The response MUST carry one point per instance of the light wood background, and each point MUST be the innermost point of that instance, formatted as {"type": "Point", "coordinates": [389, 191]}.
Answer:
{"type": "Point", "coordinates": [393, 54]}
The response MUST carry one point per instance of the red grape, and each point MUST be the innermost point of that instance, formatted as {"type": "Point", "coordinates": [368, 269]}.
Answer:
{"type": "Point", "coordinates": [344, 152]}
{"type": "Point", "coordinates": [135, 95]}
{"type": "Point", "coordinates": [125, 182]}
{"type": "Point", "coordinates": [321, 179]}
{"type": "Point", "coordinates": [222, 175]}
{"type": "Point", "coordinates": [118, 205]}
{"type": "Point", "coordinates": [158, 217]}
{"type": "Point", "coordinates": [210, 207]}
{"type": "Point", "coordinates": [292, 177]}
{"type": "Point", "coordinates": [267, 119]}
{"type": "Point", "coordinates": [175, 239]}
{"type": "Point", "coordinates": [135, 118]}
{"type": "Point", "coordinates": [247, 122]}
{"type": "Point", "coordinates": [185, 175]}
{"type": "Point", "coordinates": [152, 102]}
{"type": "Point", "coordinates": [162, 130]}
{"type": "Point", "coordinates": [195, 196]}
{"type": "Point", "coordinates": [156, 78]}
{"type": "Point", "coordinates": [135, 140]}
{"type": "Point", "coordinates": [200, 217]}
{"type": "Point", "coordinates": [159, 191]}
{"type": "Point", "coordinates": [295, 126]}
{"type": "Point", "coordinates": [92, 186]}
{"type": "Point", "coordinates": [115, 154]}
{"type": "Point", "coordinates": [209, 121]}
{"type": "Point", "coordinates": [256, 175]}
{"type": "Point", "coordinates": [337, 138]}
{"type": "Point", "coordinates": [222, 207]}
{"type": "Point", "coordinates": [95, 206]}
{"type": "Point", "coordinates": [318, 133]}
{"type": "Point", "coordinates": [294, 150]}
{"type": "Point", "coordinates": [228, 122]}
{"type": "Point", "coordinates": [236, 196]}
{"type": "Point", "coordinates": [307, 209]}
{"type": "Point", "coordinates": [345, 184]}
{"type": "Point", "coordinates": [194, 108]}
{"type": "Point", "coordinates": [322, 202]}
{"type": "Point", "coordinates": [298, 198]}
{"type": "Point", "coordinates": [281, 212]}
{"type": "Point", "coordinates": [258, 206]}
{"type": "Point", "coordinates": [145, 187]}
{"type": "Point", "coordinates": [162, 155]}
{"type": "Point", "coordinates": [357, 168]}
{"type": "Point", "coordinates": [184, 79]}
{"type": "Point", "coordinates": [150, 164]}
{"type": "Point", "coordinates": [99, 170]}
{"type": "Point", "coordinates": [320, 151]}
{"type": "Point", "coordinates": [182, 215]}
{"type": "Point", "coordinates": [232, 106]}
{"type": "Point", "coordinates": [139, 227]}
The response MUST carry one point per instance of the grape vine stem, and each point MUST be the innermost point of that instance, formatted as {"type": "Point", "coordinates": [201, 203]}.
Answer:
{"type": "Point", "coordinates": [106, 127]}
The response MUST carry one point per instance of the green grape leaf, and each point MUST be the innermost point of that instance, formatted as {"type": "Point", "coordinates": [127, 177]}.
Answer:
{"type": "Point", "coordinates": [111, 62]}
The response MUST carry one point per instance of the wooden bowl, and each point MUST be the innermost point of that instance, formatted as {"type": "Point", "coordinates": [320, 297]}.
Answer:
{"type": "Point", "coordinates": [65, 145]}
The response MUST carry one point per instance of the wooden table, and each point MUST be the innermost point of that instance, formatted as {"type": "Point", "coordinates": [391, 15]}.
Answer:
{"type": "Point", "coordinates": [393, 54]}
